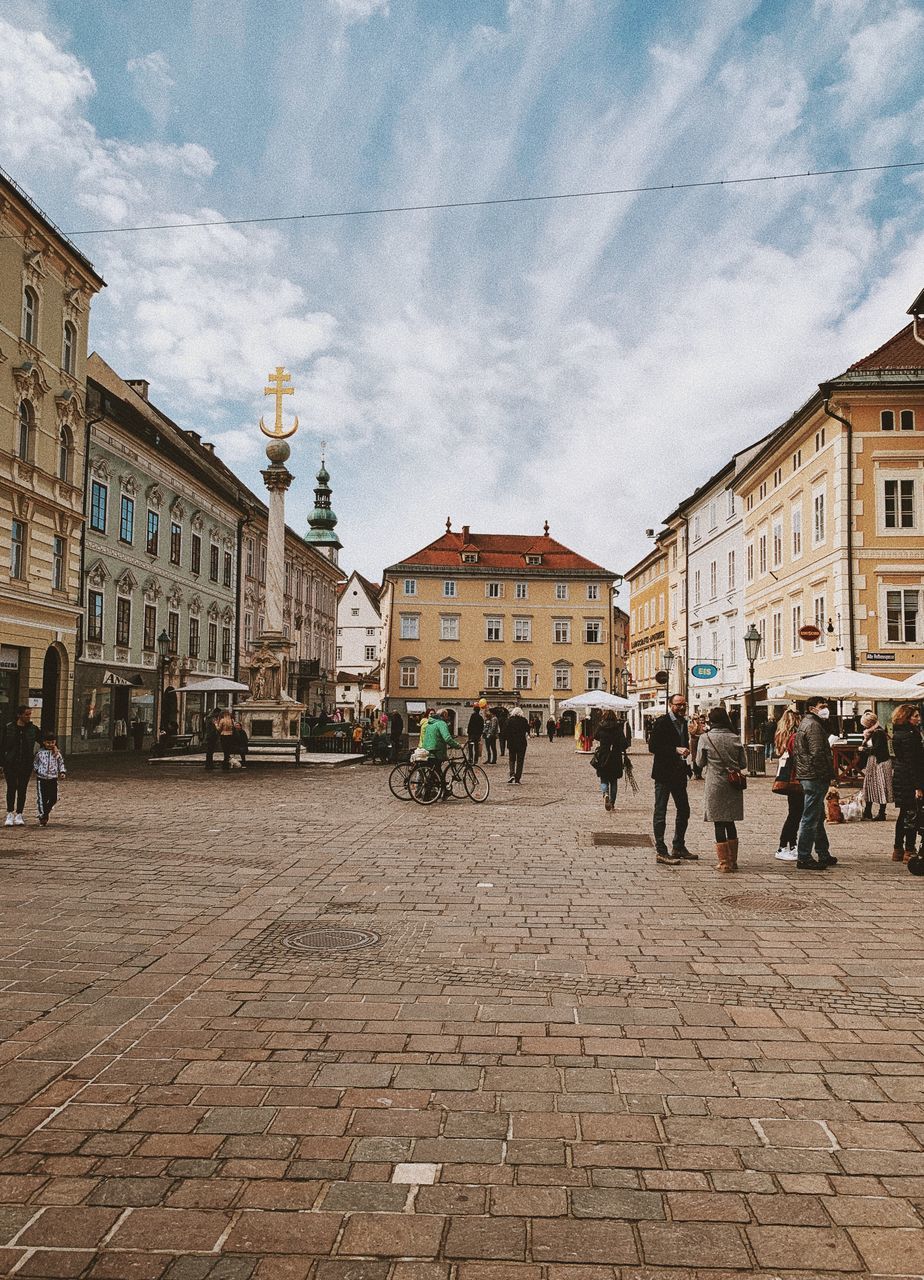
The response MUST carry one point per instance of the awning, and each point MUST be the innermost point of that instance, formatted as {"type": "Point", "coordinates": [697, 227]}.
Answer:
{"type": "Point", "coordinates": [416, 708]}
{"type": "Point", "coordinates": [840, 684]}
{"type": "Point", "coordinates": [216, 684]}
{"type": "Point", "coordinates": [596, 698]}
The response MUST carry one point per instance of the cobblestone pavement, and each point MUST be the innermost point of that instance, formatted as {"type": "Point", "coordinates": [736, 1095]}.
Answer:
{"type": "Point", "coordinates": [559, 1061]}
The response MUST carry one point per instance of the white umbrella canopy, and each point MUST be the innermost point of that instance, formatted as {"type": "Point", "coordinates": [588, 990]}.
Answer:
{"type": "Point", "coordinates": [840, 683]}
{"type": "Point", "coordinates": [596, 698]}
{"type": "Point", "coordinates": [913, 686]}
{"type": "Point", "coordinates": [215, 684]}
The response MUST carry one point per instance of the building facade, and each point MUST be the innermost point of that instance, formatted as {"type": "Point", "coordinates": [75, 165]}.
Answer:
{"type": "Point", "coordinates": [648, 639]}
{"type": "Point", "coordinates": [160, 559]}
{"type": "Point", "coordinates": [620, 680]}
{"type": "Point", "coordinates": [511, 618]}
{"type": "Point", "coordinates": [46, 287]}
{"type": "Point", "coordinates": [359, 646]}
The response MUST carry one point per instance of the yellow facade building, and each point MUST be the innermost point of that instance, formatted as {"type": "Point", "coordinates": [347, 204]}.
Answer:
{"type": "Point", "coordinates": [511, 618]}
{"type": "Point", "coordinates": [46, 286]}
{"type": "Point", "coordinates": [649, 584]}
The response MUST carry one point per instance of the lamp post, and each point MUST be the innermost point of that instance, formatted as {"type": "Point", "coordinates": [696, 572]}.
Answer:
{"type": "Point", "coordinates": [163, 652]}
{"type": "Point", "coordinates": [752, 641]}
{"type": "Point", "coordinates": [667, 661]}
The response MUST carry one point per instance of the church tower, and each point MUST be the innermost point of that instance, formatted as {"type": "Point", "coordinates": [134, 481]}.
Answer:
{"type": "Point", "coordinates": [322, 521]}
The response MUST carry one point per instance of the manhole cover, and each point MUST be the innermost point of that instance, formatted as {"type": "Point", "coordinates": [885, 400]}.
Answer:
{"type": "Point", "coordinates": [766, 904]}
{"type": "Point", "coordinates": [623, 839]}
{"type": "Point", "coordinates": [331, 940]}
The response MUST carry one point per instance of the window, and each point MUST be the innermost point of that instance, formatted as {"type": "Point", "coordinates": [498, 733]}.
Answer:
{"type": "Point", "coordinates": [339, 653]}
{"type": "Point", "coordinates": [410, 626]}
{"type": "Point", "coordinates": [195, 556]}
{"type": "Point", "coordinates": [65, 454]}
{"type": "Point", "coordinates": [449, 628]}
{"type": "Point", "coordinates": [449, 675]}
{"type": "Point", "coordinates": [887, 420]}
{"type": "Point", "coordinates": [713, 580]}
{"type": "Point", "coordinates": [123, 621]}
{"type": "Point", "coordinates": [749, 504]}
{"type": "Point", "coordinates": [194, 634]}
{"type": "Point", "coordinates": [18, 550]}
{"type": "Point", "coordinates": [176, 542]}
{"type": "Point", "coordinates": [902, 616]}
{"type": "Point", "coordinates": [714, 645]}
{"type": "Point", "coordinates": [730, 509]}
{"type": "Point", "coordinates": [493, 674]}
{"type": "Point", "coordinates": [562, 677]}
{"type": "Point", "coordinates": [732, 646]}
{"type": "Point", "coordinates": [369, 653]}
{"type": "Point", "coordinates": [30, 315]}
{"type": "Point", "coordinates": [149, 639]}
{"type": "Point", "coordinates": [778, 477]}
{"type": "Point", "coordinates": [762, 553]}
{"type": "Point", "coordinates": [594, 677]}
{"type": "Point", "coordinates": [749, 561]}
{"type": "Point", "coordinates": [818, 518]}
{"type": "Point", "coordinates": [153, 533]}
{"type": "Point", "coordinates": [731, 570]}
{"type": "Point", "coordinates": [408, 675]}
{"type": "Point", "coordinates": [354, 613]}
{"type": "Point", "coordinates": [712, 515]}
{"type": "Point", "coordinates": [797, 460]}
{"type": "Point", "coordinates": [593, 591]}
{"type": "Point", "coordinates": [776, 632]}
{"type": "Point", "coordinates": [58, 563]}
{"type": "Point", "coordinates": [410, 589]}
{"type": "Point", "coordinates": [213, 562]}
{"type": "Point", "coordinates": [493, 628]}
{"type": "Point", "coordinates": [226, 569]}
{"type": "Point", "coordinates": [493, 590]}
{"type": "Point", "coordinates": [777, 543]}
{"type": "Point", "coordinates": [126, 519]}
{"type": "Point", "coordinates": [534, 559]}
{"type": "Point", "coordinates": [69, 348]}
{"type": "Point", "coordinates": [469, 557]}
{"type": "Point", "coordinates": [248, 558]}
{"type": "Point", "coordinates": [675, 605]}
{"type": "Point", "coordinates": [796, 639]}
{"type": "Point", "coordinates": [697, 587]}
{"type": "Point", "coordinates": [173, 631]}
{"type": "Point", "coordinates": [561, 591]}
{"type": "Point", "coordinates": [522, 591]}
{"type": "Point", "coordinates": [449, 587]}
{"type": "Point", "coordinates": [696, 528]}
{"type": "Point", "coordinates": [899, 504]}
{"type": "Point", "coordinates": [762, 628]}
{"type": "Point", "coordinates": [521, 677]}
{"type": "Point", "coordinates": [796, 525]}
{"type": "Point", "coordinates": [818, 612]}
{"type": "Point", "coordinates": [99, 497]}
{"type": "Point", "coordinates": [906, 419]}
{"type": "Point", "coordinates": [213, 641]}
{"type": "Point", "coordinates": [25, 434]}
{"type": "Point", "coordinates": [288, 574]}
{"type": "Point", "coordinates": [593, 631]}
{"type": "Point", "coordinates": [762, 491]}
{"type": "Point", "coordinates": [522, 629]}
{"type": "Point", "coordinates": [370, 631]}
{"type": "Point", "coordinates": [262, 562]}
{"type": "Point", "coordinates": [226, 644]}
{"type": "Point", "coordinates": [95, 616]}
{"type": "Point", "coordinates": [561, 631]}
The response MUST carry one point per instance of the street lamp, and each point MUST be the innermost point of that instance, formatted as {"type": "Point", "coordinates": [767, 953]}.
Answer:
{"type": "Point", "coordinates": [752, 642]}
{"type": "Point", "coordinates": [667, 661]}
{"type": "Point", "coordinates": [163, 652]}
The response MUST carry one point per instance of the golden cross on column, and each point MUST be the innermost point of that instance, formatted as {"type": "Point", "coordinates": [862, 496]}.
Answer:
{"type": "Point", "coordinates": [279, 389]}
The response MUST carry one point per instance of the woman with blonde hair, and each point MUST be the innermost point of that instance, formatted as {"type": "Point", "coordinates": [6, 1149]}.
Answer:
{"type": "Point", "coordinates": [788, 784]}
{"type": "Point", "coordinates": [877, 766]}
{"type": "Point", "coordinates": [907, 777]}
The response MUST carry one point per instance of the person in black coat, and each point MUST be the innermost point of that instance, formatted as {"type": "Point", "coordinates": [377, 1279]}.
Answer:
{"type": "Point", "coordinates": [517, 733]}
{"type": "Point", "coordinates": [669, 743]}
{"type": "Point", "coordinates": [475, 732]}
{"type": "Point", "coordinates": [612, 745]}
{"type": "Point", "coordinates": [396, 730]}
{"type": "Point", "coordinates": [907, 777]}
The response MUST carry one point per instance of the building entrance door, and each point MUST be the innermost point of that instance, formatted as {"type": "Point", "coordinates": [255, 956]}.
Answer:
{"type": "Point", "coordinates": [51, 689]}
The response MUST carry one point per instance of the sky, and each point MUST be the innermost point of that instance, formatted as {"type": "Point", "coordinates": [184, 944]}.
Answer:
{"type": "Point", "coordinates": [585, 361]}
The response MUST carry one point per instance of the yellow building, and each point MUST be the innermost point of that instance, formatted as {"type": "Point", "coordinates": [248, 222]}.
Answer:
{"type": "Point", "coordinates": [46, 286]}
{"type": "Point", "coordinates": [834, 523]}
{"type": "Point", "coordinates": [511, 618]}
{"type": "Point", "coordinates": [648, 628]}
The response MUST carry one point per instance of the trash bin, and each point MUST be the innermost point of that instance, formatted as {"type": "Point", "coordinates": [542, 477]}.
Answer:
{"type": "Point", "coordinates": [757, 760]}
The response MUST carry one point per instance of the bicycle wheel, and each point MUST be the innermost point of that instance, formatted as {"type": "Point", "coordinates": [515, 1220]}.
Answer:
{"type": "Point", "coordinates": [477, 783]}
{"type": "Point", "coordinates": [455, 780]}
{"type": "Point", "coordinates": [398, 779]}
{"type": "Point", "coordinates": [423, 784]}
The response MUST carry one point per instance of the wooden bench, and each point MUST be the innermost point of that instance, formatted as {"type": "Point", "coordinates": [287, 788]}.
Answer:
{"type": "Point", "coordinates": [257, 747]}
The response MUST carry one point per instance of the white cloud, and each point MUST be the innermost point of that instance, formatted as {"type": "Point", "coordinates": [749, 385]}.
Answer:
{"type": "Point", "coordinates": [359, 10]}
{"type": "Point", "coordinates": [153, 85]}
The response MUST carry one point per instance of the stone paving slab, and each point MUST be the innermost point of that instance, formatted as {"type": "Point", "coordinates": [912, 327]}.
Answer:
{"type": "Point", "coordinates": [555, 1061]}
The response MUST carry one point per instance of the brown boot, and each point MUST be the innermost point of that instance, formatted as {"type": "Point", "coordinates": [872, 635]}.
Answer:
{"type": "Point", "coordinates": [898, 855]}
{"type": "Point", "coordinates": [733, 855]}
{"type": "Point", "coordinates": [724, 856]}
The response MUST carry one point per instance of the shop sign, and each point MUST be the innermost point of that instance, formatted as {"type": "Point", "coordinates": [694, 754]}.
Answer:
{"type": "Point", "coordinates": [880, 657]}
{"type": "Point", "coordinates": [34, 701]}
{"type": "Point", "coordinates": [113, 677]}
{"type": "Point", "coordinates": [809, 632]}
{"type": "Point", "coordinates": [9, 658]}
{"type": "Point", "coordinates": [661, 677]}
{"type": "Point", "coordinates": [704, 671]}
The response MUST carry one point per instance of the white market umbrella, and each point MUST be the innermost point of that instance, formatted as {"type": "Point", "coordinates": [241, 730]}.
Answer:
{"type": "Point", "coordinates": [596, 698]}
{"type": "Point", "coordinates": [841, 684]}
{"type": "Point", "coordinates": [913, 687]}
{"type": "Point", "coordinates": [215, 684]}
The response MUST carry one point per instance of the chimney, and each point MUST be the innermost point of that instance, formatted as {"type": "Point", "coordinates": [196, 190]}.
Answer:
{"type": "Point", "coordinates": [194, 436]}
{"type": "Point", "coordinates": [207, 444]}
{"type": "Point", "coordinates": [141, 385]}
{"type": "Point", "coordinates": [465, 533]}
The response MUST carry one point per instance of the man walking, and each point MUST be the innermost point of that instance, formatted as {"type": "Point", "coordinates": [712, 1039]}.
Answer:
{"type": "Point", "coordinates": [550, 728]}
{"type": "Point", "coordinates": [814, 767]}
{"type": "Point", "coordinates": [475, 733]}
{"type": "Point", "coordinates": [669, 743]}
{"type": "Point", "coordinates": [17, 752]}
{"type": "Point", "coordinates": [517, 735]}
{"type": "Point", "coordinates": [395, 730]}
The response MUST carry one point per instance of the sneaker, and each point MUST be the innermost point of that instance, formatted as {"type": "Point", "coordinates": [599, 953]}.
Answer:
{"type": "Point", "coordinates": [668, 859]}
{"type": "Point", "coordinates": [786, 854]}
{"type": "Point", "coordinates": [19, 821]}
{"type": "Point", "coordinates": [607, 804]}
{"type": "Point", "coordinates": [509, 780]}
{"type": "Point", "coordinates": [808, 864]}
{"type": "Point", "coordinates": [9, 820]}
{"type": "Point", "coordinates": [684, 854]}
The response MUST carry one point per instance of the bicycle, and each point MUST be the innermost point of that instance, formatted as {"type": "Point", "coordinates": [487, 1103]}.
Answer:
{"type": "Point", "coordinates": [432, 780]}
{"type": "Point", "coordinates": [398, 779]}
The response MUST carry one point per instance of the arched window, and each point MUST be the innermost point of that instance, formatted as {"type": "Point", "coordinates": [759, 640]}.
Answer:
{"type": "Point", "coordinates": [65, 453]}
{"type": "Point", "coordinates": [69, 347]}
{"type": "Point", "coordinates": [26, 431]}
{"type": "Point", "coordinates": [30, 315]}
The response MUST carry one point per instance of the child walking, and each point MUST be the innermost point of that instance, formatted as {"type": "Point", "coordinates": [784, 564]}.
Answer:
{"type": "Point", "coordinates": [49, 767]}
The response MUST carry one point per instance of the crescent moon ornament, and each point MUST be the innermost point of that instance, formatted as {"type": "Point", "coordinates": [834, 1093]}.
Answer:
{"type": "Point", "coordinates": [278, 388]}
{"type": "Point", "coordinates": [278, 433]}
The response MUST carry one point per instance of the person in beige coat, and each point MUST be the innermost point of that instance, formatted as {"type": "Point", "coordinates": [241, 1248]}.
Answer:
{"type": "Point", "coordinates": [720, 753]}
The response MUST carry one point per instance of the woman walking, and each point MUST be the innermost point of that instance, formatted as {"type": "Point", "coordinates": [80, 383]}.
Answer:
{"type": "Point", "coordinates": [788, 784]}
{"type": "Point", "coordinates": [907, 777]}
{"type": "Point", "coordinates": [722, 757]}
{"type": "Point", "coordinates": [608, 757]}
{"type": "Point", "coordinates": [877, 771]}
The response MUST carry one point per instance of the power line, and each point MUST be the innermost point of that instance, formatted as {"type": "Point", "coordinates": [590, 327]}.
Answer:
{"type": "Point", "coordinates": [500, 200]}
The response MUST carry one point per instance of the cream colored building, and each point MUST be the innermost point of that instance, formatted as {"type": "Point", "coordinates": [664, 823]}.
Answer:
{"type": "Point", "coordinates": [511, 618]}
{"type": "Point", "coordinates": [46, 287]}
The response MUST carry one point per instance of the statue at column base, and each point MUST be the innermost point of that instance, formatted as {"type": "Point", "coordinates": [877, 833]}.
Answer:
{"type": "Point", "coordinates": [270, 712]}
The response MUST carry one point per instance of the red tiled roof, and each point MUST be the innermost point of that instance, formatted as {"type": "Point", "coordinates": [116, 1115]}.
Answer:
{"type": "Point", "coordinates": [500, 551]}
{"type": "Point", "coordinates": [901, 351]}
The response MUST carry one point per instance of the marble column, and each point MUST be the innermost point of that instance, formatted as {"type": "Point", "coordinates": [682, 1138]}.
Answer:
{"type": "Point", "coordinates": [277, 480]}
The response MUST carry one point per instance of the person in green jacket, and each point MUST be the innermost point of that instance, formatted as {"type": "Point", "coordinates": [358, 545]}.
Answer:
{"type": "Point", "coordinates": [437, 740]}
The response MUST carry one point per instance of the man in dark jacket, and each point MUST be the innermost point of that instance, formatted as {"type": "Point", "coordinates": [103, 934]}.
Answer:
{"type": "Point", "coordinates": [395, 730]}
{"type": "Point", "coordinates": [814, 767]}
{"type": "Point", "coordinates": [17, 752]}
{"type": "Point", "coordinates": [475, 733]}
{"type": "Point", "coordinates": [517, 736]}
{"type": "Point", "coordinates": [669, 743]}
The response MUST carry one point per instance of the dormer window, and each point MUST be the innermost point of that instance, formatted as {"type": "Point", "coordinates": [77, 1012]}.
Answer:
{"type": "Point", "coordinates": [534, 559]}
{"type": "Point", "coordinates": [469, 557]}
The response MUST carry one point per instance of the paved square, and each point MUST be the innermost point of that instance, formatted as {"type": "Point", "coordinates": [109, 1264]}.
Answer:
{"type": "Point", "coordinates": [555, 1061]}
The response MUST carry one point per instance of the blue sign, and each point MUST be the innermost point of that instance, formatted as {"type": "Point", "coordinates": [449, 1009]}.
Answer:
{"type": "Point", "coordinates": [704, 671]}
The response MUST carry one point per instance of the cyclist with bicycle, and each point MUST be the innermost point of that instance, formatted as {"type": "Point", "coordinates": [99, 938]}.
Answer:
{"type": "Point", "coordinates": [437, 740]}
